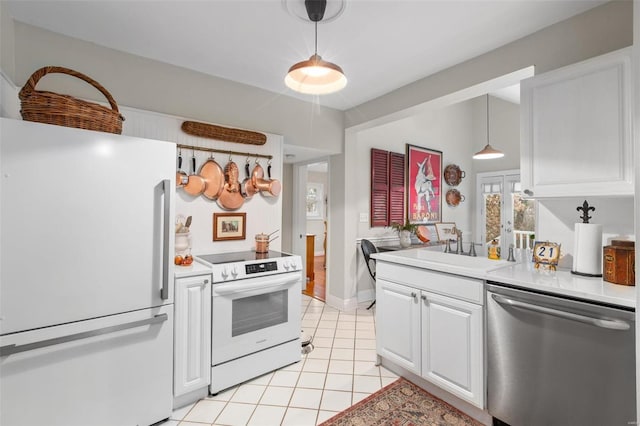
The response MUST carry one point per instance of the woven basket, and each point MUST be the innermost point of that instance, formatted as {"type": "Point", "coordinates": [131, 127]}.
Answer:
{"type": "Point", "coordinates": [64, 110]}
{"type": "Point", "coordinates": [226, 134]}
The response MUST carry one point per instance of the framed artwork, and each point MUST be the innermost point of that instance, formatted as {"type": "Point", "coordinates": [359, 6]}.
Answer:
{"type": "Point", "coordinates": [424, 185]}
{"type": "Point", "coordinates": [446, 230]}
{"type": "Point", "coordinates": [315, 200]}
{"type": "Point", "coordinates": [229, 226]}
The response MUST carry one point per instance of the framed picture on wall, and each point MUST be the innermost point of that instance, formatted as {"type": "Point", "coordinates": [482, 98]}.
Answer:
{"type": "Point", "coordinates": [446, 231]}
{"type": "Point", "coordinates": [315, 200]}
{"type": "Point", "coordinates": [424, 184]}
{"type": "Point", "coordinates": [229, 226]}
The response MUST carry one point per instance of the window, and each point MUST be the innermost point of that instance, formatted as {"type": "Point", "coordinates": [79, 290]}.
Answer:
{"type": "Point", "coordinates": [387, 188]}
{"type": "Point", "coordinates": [503, 214]}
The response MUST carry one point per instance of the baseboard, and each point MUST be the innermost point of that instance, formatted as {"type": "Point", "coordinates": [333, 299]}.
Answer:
{"type": "Point", "coordinates": [341, 304]}
{"type": "Point", "coordinates": [366, 295]}
{"type": "Point", "coordinates": [190, 398]}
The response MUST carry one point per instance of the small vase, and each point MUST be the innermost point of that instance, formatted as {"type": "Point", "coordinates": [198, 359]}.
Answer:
{"type": "Point", "coordinates": [405, 239]}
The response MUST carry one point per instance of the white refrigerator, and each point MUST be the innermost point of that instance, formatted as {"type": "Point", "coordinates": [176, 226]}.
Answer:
{"type": "Point", "coordinates": [86, 277]}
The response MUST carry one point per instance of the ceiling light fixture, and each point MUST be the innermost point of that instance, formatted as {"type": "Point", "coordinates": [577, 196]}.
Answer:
{"type": "Point", "coordinates": [488, 152]}
{"type": "Point", "coordinates": [315, 76]}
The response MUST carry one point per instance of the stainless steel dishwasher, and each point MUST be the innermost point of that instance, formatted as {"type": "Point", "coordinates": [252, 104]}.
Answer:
{"type": "Point", "coordinates": [557, 361]}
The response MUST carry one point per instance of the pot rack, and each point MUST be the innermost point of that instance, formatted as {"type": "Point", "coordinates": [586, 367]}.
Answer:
{"type": "Point", "coordinates": [225, 151]}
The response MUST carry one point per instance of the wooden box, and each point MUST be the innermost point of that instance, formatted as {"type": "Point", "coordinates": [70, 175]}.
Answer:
{"type": "Point", "coordinates": [618, 262]}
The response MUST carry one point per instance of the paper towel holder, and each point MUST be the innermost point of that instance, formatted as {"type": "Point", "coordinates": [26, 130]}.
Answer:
{"type": "Point", "coordinates": [586, 208]}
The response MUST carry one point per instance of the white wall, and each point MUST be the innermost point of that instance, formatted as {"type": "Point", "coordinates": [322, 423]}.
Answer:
{"type": "Point", "coordinates": [150, 85]}
{"type": "Point", "coordinates": [286, 233]}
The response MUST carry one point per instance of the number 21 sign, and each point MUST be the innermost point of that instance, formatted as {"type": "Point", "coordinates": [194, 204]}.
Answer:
{"type": "Point", "coordinates": [546, 253]}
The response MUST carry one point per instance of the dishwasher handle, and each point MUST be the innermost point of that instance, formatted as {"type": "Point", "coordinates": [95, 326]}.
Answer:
{"type": "Point", "coordinates": [612, 324]}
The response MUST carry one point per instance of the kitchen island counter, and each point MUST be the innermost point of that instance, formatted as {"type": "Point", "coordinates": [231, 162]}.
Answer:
{"type": "Point", "coordinates": [434, 259]}
{"type": "Point", "coordinates": [523, 275]}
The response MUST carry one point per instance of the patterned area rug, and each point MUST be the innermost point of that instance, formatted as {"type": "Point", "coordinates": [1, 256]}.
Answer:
{"type": "Point", "coordinates": [401, 404]}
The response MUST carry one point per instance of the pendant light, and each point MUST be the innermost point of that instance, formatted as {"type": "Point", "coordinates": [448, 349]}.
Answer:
{"type": "Point", "coordinates": [315, 76]}
{"type": "Point", "coordinates": [488, 152]}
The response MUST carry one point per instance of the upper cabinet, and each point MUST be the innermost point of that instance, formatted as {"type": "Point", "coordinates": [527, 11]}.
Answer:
{"type": "Point", "coordinates": [575, 129]}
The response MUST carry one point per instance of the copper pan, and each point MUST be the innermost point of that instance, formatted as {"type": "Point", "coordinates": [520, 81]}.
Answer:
{"type": "Point", "coordinates": [231, 198]}
{"type": "Point", "coordinates": [247, 189]}
{"type": "Point", "coordinates": [269, 187]}
{"type": "Point", "coordinates": [181, 177]}
{"type": "Point", "coordinates": [213, 176]}
{"type": "Point", "coordinates": [196, 184]}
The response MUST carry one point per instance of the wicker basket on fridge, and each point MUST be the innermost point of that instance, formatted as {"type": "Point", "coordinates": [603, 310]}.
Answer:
{"type": "Point", "coordinates": [64, 110]}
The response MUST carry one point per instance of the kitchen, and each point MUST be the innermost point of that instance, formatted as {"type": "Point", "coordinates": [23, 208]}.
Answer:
{"type": "Point", "coordinates": [35, 47]}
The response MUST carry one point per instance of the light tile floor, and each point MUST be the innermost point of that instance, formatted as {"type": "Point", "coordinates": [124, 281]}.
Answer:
{"type": "Point", "coordinates": [338, 373]}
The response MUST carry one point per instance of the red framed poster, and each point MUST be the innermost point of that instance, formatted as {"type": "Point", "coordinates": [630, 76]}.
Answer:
{"type": "Point", "coordinates": [424, 185]}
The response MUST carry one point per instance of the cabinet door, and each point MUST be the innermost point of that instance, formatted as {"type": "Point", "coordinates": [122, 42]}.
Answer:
{"type": "Point", "coordinates": [192, 337]}
{"type": "Point", "coordinates": [576, 129]}
{"type": "Point", "coordinates": [398, 324]}
{"type": "Point", "coordinates": [452, 348]}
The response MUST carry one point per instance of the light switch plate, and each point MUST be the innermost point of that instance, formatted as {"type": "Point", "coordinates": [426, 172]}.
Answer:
{"type": "Point", "coordinates": [364, 217]}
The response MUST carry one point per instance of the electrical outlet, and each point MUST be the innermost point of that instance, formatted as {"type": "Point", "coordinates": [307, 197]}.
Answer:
{"type": "Point", "coordinates": [364, 217]}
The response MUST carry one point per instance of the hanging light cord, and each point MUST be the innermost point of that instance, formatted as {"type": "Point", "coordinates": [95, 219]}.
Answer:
{"type": "Point", "coordinates": [487, 119]}
{"type": "Point", "coordinates": [315, 51]}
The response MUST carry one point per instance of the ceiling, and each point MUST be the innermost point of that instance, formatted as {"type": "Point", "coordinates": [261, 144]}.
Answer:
{"type": "Point", "coordinates": [380, 44]}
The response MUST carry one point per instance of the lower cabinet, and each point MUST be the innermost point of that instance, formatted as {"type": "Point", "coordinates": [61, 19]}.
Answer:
{"type": "Point", "coordinates": [192, 334]}
{"type": "Point", "coordinates": [437, 337]}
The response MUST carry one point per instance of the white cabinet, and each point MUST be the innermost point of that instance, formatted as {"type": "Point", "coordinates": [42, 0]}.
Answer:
{"type": "Point", "coordinates": [575, 129]}
{"type": "Point", "coordinates": [398, 324]}
{"type": "Point", "coordinates": [192, 344]}
{"type": "Point", "coordinates": [452, 336]}
{"type": "Point", "coordinates": [424, 326]}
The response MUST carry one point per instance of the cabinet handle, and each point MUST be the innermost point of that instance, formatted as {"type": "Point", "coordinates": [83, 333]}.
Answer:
{"type": "Point", "coordinates": [413, 294]}
{"type": "Point", "coordinates": [528, 192]}
{"type": "Point", "coordinates": [423, 297]}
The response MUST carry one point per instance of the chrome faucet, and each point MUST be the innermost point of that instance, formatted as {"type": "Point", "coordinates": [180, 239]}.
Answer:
{"type": "Point", "coordinates": [459, 246]}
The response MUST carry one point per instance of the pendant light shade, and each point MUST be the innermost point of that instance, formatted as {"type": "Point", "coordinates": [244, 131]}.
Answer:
{"type": "Point", "coordinates": [315, 76]}
{"type": "Point", "coordinates": [488, 152]}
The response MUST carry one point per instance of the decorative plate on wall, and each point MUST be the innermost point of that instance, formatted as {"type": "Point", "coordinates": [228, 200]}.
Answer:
{"type": "Point", "coordinates": [453, 175]}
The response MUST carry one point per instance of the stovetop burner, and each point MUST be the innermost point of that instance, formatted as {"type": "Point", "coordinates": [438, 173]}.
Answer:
{"type": "Point", "coordinates": [240, 256]}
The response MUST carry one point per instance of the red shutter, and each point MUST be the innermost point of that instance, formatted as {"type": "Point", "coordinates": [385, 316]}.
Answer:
{"type": "Point", "coordinates": [379, 187]}
{"type": "Point", "coordinates": [396, 188]}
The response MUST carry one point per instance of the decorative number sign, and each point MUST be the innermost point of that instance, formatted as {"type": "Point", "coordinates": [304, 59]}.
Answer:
{"type": "Point", "coordinates": [546, 253]}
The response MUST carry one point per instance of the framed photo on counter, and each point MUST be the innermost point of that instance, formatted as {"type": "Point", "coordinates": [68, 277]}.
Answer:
{"type": "Point", "coordinates": [229, 226]}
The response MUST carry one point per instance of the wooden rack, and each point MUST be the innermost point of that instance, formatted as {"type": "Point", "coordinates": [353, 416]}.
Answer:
{"type": "Point", "coordinates": [225, 151]}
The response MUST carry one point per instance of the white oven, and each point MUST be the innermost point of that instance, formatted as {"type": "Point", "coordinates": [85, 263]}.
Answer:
{"type": "Point", "coordinates": [255, 315]}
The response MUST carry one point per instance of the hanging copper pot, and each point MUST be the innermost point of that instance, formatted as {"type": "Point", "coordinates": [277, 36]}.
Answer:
{"type": "Point", "coordinates": [196, 183]}
{"type": "Point", "coordinates": [247, 189]}
{"type": "Point", "coordinates": [269, 187]}
{"type": "Point", "coordinates": [231, 198]}
{"type": "Point", "coordinates": [213, 176]}
{"type": "Point", "coordinates": [181, 177]}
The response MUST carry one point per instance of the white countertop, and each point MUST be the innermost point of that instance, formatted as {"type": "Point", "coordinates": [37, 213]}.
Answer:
{"type": "Point", "coordinates": [194, 269]}
{"type": "Point", "coordinates": [524, 275]}
{"type": "Point", "coordinates": [563, 282]}
{"type": "Point", "coordinates": [434, 259]}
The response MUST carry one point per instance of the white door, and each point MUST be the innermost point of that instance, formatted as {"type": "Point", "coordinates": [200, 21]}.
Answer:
{"type": "Point", "coordinates": [398, 324]}
{"type": "Point", "coordinates": [503, 214]}
{"type": "Point", "coordinates": [192, 347]}
{"type": "Point", "coordinates": [452, 346]}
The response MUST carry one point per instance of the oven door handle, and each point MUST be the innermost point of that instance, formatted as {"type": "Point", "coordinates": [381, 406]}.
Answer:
{"type": "Point", "coordinates": [236, 287]}
{"type": "Point", "coordinates": [612, 324]}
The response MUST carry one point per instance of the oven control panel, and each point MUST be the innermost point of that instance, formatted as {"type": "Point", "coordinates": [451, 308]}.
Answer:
{"type": "Point", "coordinates": [256, 268]}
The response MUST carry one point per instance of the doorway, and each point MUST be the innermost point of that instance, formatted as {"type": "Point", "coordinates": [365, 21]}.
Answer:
{"type": "Point", "coordinates": [503, 214]}
{"type": "Point", "coordinates": [311, 186]}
